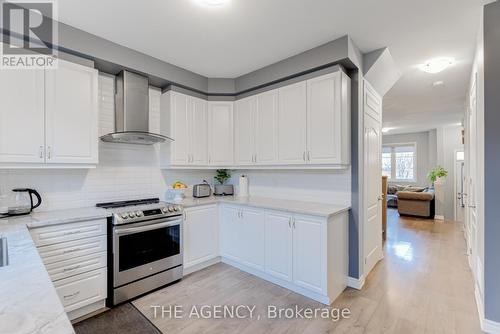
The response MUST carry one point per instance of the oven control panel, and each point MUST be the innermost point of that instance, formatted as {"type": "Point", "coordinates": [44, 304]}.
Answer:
{"type": "Point", "coordinates": [130, 215]}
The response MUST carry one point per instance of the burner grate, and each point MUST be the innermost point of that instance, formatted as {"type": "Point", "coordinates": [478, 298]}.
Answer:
{"type": "Point", "coordinates": [120, 204]}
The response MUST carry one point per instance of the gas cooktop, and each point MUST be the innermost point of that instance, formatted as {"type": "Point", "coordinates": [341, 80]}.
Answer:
{"type": "Point", "coordinates": [133, 211]}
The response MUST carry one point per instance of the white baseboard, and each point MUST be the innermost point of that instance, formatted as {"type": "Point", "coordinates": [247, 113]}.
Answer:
{"type": "Point", "coordinates": [488, 326]}
{"type": "Point", "coordinates": [439, 217]}
{"type": "Point", "coordinates": [192, 268]}
{"type": "Point", "coordinates": [356, 283]}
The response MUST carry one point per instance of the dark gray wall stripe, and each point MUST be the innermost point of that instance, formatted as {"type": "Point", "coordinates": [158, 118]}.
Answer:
{"type": "Point", "coordinates": [491, 161]}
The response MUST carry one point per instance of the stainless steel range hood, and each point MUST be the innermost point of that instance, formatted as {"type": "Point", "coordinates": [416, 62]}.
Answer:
{"type": "Point", "coordinates": [132, 112]}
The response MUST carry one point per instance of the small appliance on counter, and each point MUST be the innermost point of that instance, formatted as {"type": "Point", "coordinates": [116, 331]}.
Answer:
{"type": "Point", "coordinates": [223, 190]}
{"type": "Point", "coordinates": [21, 202]}
{"type": "Point", "coordinates": [202, 190]}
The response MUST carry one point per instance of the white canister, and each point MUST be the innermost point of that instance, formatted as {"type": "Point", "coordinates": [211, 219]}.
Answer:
{"type": "Point", "coordinates": [243, 186]}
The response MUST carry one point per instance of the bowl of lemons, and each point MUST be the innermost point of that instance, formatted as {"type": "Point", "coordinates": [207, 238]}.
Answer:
{"type": "Point", "coordinates": [178, 190]}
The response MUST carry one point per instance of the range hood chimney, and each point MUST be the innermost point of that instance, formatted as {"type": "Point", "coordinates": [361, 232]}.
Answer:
{"type": "Point", "coordinates": [132, 112]}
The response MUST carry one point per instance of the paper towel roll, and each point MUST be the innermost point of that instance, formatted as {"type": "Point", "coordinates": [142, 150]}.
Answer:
{"type": "Point", "coordinates": [243, 186]}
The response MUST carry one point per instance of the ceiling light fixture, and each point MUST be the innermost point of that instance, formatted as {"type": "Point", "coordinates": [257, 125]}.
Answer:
{"type": "Point", "coordinates": [437, 65]}
{"type": "Point", "coordinates": [214, 2]}
{"type": "Point", "coordinates": [438, 83]}
{"type": "Point", "coordinates": [385, 130]}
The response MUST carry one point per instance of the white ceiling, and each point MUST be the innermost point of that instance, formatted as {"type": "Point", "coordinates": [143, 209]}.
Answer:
{"type": "Point", "coordinates": [245, 35]}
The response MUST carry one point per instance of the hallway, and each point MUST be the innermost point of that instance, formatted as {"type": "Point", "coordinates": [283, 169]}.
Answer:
{"type": "Point", "coordinates": [424, 284]}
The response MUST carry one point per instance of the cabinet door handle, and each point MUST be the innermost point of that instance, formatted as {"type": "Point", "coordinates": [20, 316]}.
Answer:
{"type": "Point", "coordinates": [72, 232]}
{"type": "Point", "coordinates": [290, 222]}
{"type": "Point", "coordinates": [304, 156]}
{"type": "Point", "coordinates": [41, 152]}
{"type": "Point", "coordinates": [49, 152]}
{"type": "Point", "coordinates": [72, 295]}
{"type": "Point", "coordinates": [71, 268]}
{"type": "Point", "coordinates": [72, 250]}
{"type": "Point", "coordinates": [308, 155]}
{"type": "Point", "coordinates": [293, 223]}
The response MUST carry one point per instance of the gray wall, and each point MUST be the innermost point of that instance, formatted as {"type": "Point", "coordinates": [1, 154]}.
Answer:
{"type": "Point", "coordinates": [492, 161]}
{"type": "Point", "coordinates": [424, 161]}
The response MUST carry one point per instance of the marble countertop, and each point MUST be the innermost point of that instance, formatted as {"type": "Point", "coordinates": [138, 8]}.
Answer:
{"type": "Point", "coordinates": [28, 300]}
{"type": "Point", "coordinates": [301, 207]}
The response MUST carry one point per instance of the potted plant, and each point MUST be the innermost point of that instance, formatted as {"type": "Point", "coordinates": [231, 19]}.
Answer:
{"type": "Point", "coordinates": [221, 177]}
{"type": "Point", "coordinates": [437, 175]}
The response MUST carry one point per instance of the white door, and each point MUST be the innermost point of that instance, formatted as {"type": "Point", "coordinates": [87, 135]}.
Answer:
{"type": "Point", "coordinates": [199, 131]}
{"type": "Point", "coordinates": [71, 111]}
{"type": "Point", "coordinates": [180, 121]}
{"type": "Point", "coordinates": [372, 230]}
{"type": "Point", "coordinates": [266, 128]}
{"type": "Point", "coordinates": [473, 178]}
{"type": "Point", "coordinates": [22, 127]}
{"type": "Point", "coordinates": [324, 119]}
{"type": "Point", "coordinates": [459, 188]}
{"type": "Point", "coordinates": [279, 246]}
{"type": "Point", "coordinates": [292, 124]}
{"type": "Point", "coordinates": [220, 120]}
{"type": "Point", "coordinates": [253, 239]}
{"type": "Point", "coordinates": [308, 254]}
{"type": "Point", "coordinates": [231, 233]}
{"type": "Point", "coordinates": [200, 235]}
{"type": "Point", "coordinates": [244, 131]}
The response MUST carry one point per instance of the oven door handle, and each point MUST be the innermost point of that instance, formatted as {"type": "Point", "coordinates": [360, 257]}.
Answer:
{"type": "Point", "coordinates": [145, 228]}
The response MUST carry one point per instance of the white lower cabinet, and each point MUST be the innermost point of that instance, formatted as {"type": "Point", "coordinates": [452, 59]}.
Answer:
{"type": "Point", "coordinates": [75, 256]}
{"type": "Point", "coordinates": [253, 239]}
{"type": "Point", "coordinates": [309, 252]}
{"type": "Point", "coordinates": [279, 238]}
{"type": "Point", "coordinates": [306, 254]}
{"type": "Point", "coordinates": [201, 236]}
{"type": "Point", "coordinates": [231, 233]}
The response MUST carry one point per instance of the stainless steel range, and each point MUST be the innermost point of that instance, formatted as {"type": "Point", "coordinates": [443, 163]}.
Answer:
{"type": "Point", "coordinates": [145, 247]}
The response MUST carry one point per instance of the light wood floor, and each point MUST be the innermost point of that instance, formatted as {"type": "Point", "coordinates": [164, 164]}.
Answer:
{"type": "Point", "coordinates": [423, 285]}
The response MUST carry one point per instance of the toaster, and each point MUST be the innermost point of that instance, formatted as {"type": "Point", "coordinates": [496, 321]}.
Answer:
{"type": "Point", "coordinates": [202, 190]}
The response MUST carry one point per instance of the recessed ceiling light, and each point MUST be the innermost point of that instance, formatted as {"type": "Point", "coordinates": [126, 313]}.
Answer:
{"type": "Point", "coordinates": [385, 130]}
{"type": "Point", "coordinates": [438, 83]}
{"type": "Point", "coordinates": [213, 2]}
{"type": "Point", "coordinates": [437, 65]}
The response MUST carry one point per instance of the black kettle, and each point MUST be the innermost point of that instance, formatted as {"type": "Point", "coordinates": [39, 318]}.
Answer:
{"type": "Point", "coordinates": [21, 202]}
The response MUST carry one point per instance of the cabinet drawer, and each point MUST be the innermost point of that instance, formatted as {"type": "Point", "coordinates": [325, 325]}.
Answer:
{"type": "Point", "coordinates": [82, 264]}
{"type": "Point", "coordinates": [82, 290]}
{"type": "Point", "coordinates": [72, 249]}
{"type": "Point", "coordinates": [66, 232]}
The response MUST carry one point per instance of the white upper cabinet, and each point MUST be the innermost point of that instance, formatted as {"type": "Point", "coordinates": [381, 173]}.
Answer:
{"type": "Point", "coordinates": [199, 131]}
{"type": "Point", "coordinates": [292, 124]}
{"type": "Point", "coordinates": [180, 131]}
{"type": "Point", "coordinates": [22, 128]}
{"type": "Point", "coordinates": [186, 119]}
{"type": "Point", "coordinates": [49, 118]}
{"type": "Point", "coordinates": [71, 114]}
{"type": "Point", "coordinates": [220, 129]}
{"type": "Point", "coordinates": [301, 125]}
{"type": "Point", "coordinates": [328, 119]}
{"type": "Point", "coordinates": [266, 128]}
{"type": "Point", "coordinates": [244, 131]}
